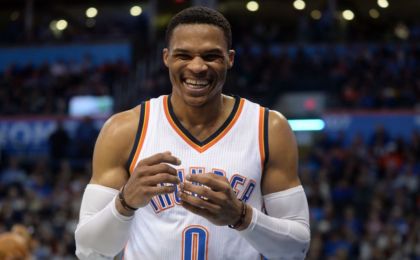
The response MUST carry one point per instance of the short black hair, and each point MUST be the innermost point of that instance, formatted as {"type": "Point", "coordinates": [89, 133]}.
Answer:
{"type": "Point", "coordinates": [200, 15]}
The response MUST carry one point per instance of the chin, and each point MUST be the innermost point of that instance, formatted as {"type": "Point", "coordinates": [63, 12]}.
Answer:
{"type": "Point", "coordinates": [196, 101]}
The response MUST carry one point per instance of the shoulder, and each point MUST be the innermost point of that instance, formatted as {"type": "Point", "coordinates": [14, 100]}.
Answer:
{"type": "Point", "coordinates": [113, 147]}
{"type": "Point", "coordinates": [278, 123]}
{"type": "Point", "coordinates": [115, 141]}
{"type": "Point", "coordinates": [281, 139]}
{"type": "Point", "coordinates": [280, 134]}
{"type": "Point", "coordinates": [122, 124]}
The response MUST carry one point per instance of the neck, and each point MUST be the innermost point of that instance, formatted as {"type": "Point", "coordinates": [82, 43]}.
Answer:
{"type": "Point", "coordinates": [204, 115]}
{"type": "Point", "coordinates": [203, 121]}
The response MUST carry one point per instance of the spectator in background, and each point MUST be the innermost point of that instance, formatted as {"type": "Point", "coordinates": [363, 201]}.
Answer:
{"type": "Point", "coordinates": [86, 134]}
{"type": "Point", "coordinates": [2, 157]}
{"type": "Point", "coordinates": [59, 142]}
{"type": "Point", "coordinates": [13, 173]}
{"type": "Point", "coordinates": [16, 244]}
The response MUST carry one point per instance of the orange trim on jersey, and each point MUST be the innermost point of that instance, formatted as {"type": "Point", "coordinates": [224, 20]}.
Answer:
{"type": "Point", "coordinates": [142, 137]}
{"type": "Point", "coordinates": [194, 246]}
{"type": "Point", "coordinates": [203, 148]}
{"type": "Point", "coordinates": [261, 137]}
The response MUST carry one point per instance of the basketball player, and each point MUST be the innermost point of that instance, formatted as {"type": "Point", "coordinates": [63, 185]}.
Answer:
{"type": "Point", "coordinates": [203, 166]}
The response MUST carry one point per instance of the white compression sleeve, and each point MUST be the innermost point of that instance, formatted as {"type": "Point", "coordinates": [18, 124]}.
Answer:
{"type": "Point", "coordinates": [102, 231]}
{"type": "Point", "coordinates": [284, 233]}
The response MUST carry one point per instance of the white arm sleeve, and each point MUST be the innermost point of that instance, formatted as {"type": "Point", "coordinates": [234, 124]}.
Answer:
{"type": "Point", "coordinates": [284, 233]}
{"type": "Point", "coordinates": [102, 231]}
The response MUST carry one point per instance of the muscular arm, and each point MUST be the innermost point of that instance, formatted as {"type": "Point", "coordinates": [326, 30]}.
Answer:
{"type": "Point", "coordinates": [100, 220]}
{"type": "Point", "coordinates": [281, 169]}
{"type": "Point", "coordinates": [284, 232]}
{"type": "Point", "coordinates": [113, 148]}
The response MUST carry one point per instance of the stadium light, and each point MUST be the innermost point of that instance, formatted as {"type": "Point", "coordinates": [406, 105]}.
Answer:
{"type": "Point", "coordinates": [316, 14]}
{"type": "Point", "coordinates": [348, 15]}
{"type": "Point", "coordinates": [136, 10]}
{"type": "Point", "coordinates": [401, 31]}
{"type": "Point", "coordinates": [299, 4]}
{"type": "Point", "coordinates": [374, 13]}
{"type": "Point", "coordinates": [383, 3]}
{"type": "Point", "coordinates": [91, 12]}
{"type": "Point", "coordinates": [61, 25]}
{"type": "Point", "coordinates": [307, 124]}
{"type": "Point", "coordinates": [252, 6]}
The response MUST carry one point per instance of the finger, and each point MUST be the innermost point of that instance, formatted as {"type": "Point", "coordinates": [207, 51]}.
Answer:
{"type": "Point", "coordinates": [199, 211]}
{"type": "Point", "coordinates": [156, 169]}
{"type": "Point", "coordinates": [203, 191]}
{"type": "Point", "coordinates": [199, 203]}
{"type": "Point", "coordinates": [165, 157]}
{"type": "Point", "coordinates": [159, 190]}
{"type": "Point", "coordinates": [213, 181]}
{"type": "Point", "coordinates": [160, 178]}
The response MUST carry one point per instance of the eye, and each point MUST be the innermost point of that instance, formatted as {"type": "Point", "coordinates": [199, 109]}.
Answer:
{"type": "Point", "coordinates": [212, 57]}
{"type": "Point", "coordinates": [183, 56]}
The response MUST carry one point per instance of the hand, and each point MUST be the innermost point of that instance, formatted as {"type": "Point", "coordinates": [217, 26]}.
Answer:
{"type": "Point", "coordinates": [144, 182]}
{"type": "Point", "coordinates": [216, 201]}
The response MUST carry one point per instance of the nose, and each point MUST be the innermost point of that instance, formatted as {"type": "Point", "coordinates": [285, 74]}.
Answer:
{"type": "Point", "coordinates": [197, 65]}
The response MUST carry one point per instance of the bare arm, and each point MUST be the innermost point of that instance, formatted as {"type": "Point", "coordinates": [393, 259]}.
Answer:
{"type": "Point", "coordinates": [98, 208]}
{"type": "Point", "coordinates": [112, 149]}
{"type": "Point", "coordinates": [281, 169]}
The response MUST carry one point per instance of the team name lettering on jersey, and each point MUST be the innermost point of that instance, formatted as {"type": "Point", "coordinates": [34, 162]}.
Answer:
{"type": "Point", "coordinates": [241, 185]}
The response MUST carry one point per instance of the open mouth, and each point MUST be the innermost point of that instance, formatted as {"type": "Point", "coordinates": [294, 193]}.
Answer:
{"type": "Point", "coordinates": [196, 83]}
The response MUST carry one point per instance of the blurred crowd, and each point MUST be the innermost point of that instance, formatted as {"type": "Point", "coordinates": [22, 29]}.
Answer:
{"type": "Point", "coordinates": [364, 197]}
{"type": "Point", "coordinates": [352, 76]}
{"type": "Point", "coordinates": [45, 200]}
{"type": "Point", "coordinates": [47, 89]}
{"type": "Point", "coordinates": [118, 24]}
{"type": "Point", "coordinates": [355, 76]}
{"type": "Point", "coordinates": [44, 193]}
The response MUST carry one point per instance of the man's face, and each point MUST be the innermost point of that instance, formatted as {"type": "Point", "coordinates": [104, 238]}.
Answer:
{"type": "Point", "coordinates": [198, 59]}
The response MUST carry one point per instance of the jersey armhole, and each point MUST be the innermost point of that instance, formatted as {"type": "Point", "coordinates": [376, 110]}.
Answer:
{"type": "Point", "coordinates": [266, 150]}
{"type": "Point", "coordinates": [263, 137]}
{"type": "Point", "coordinates": [141, 131]}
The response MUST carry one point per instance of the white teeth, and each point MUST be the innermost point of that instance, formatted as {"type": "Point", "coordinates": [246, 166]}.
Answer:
{"type": "Point", "coordinates": [197, 83]}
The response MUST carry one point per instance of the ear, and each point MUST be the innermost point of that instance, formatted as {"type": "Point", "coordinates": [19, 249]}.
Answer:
{"type": "Point", "coordinates": [231, 55]}
{"type": "Point", "coordinates": [165, 55]}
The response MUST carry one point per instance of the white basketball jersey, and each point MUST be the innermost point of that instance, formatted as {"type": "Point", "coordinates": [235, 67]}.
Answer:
{"type": "Point", "coordinates": [164, 229]}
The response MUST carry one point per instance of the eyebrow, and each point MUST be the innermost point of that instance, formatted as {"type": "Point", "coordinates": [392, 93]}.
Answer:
{"type": "Point", "coordinates": [215, 51]}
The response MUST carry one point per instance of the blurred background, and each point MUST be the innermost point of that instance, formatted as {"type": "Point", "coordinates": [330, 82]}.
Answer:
{"type": "Point", "coordinates": [345, 73]}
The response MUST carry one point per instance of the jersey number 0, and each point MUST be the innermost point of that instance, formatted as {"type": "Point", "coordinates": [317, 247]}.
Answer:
{"type": "Point", "coordinates": [194, 243]}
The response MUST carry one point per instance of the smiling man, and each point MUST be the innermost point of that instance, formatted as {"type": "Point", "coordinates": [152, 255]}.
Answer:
{"type": "Point", "coordinates": [189, 175]}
